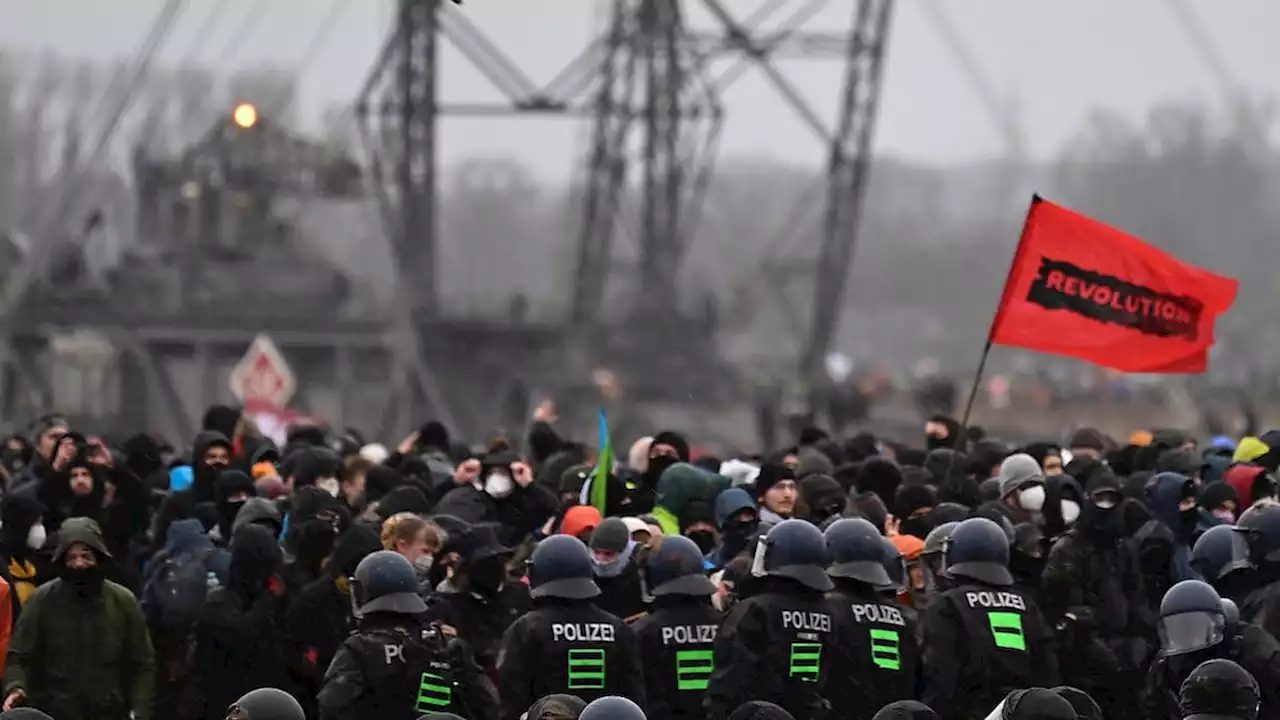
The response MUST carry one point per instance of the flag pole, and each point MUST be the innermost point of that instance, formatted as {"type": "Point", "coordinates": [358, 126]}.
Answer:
{"type": "Point", "coordinates": [991, 331]}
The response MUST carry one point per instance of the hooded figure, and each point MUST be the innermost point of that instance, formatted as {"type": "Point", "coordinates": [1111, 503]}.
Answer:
{"type": "Point", "coordinates": [680, 484]}
{"type": "Point", "coordinates": [737, 518]}
{"type": "Point", "coordinates": [81, 649]}
{"type": "Point", "coordinates": [231, 490]}
{"type": "Point", "coordinates": [259, 511]}
{"type": "Point", "coordinates": [314, 522]}
{"type": "Point", "coordinates": [483, 601]}
{"type": "Point", "coordinates": [1171, 499]}
{"type": "Point", "coordinates": [239, 643]}
{"type": "Point", "coordinates": [320, 618]}
{"type": "Point", "coordinates": [822, 496]}
{"type": "Point", "coordinates": [1092, 586]}
{"type": "Point", "coordinates": [210, 454]}
{"type": "Point", "coordinates": [76, 491]}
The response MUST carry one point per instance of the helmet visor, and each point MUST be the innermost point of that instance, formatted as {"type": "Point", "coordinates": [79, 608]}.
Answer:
{"type": "Point", "coordinates": [1188, 632]}
{"type": "Point", "coordinates": [1244, 549]}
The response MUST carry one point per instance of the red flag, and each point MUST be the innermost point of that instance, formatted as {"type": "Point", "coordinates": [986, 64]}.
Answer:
{"type": "Point", "coordinates": [1086, 290]}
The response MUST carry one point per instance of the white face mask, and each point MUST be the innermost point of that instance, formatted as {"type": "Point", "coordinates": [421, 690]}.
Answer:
{"type": "Point", "coordinates": [1070, 511]}
{"type": "Point", "coordinates": [423, 563]}
{"type": "Point", "coordinates": [498, 485]}
{"type": "Point", "coordinates": [329, 485]}
{"type": "Point", "coordinates": [1032, 499]}
{"type": "Point", "coordinates": [36, 536]}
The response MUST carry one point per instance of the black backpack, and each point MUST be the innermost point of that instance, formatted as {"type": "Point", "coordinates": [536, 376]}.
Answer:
{"type": "Point", "coordinates": [179, 586]}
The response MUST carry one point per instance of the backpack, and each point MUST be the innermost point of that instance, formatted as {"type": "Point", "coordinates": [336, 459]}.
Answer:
{"type": "Point", "coordinates": [179, 587]}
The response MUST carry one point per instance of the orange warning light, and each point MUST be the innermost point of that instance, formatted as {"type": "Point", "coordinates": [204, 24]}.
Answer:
{"type": "Point", "coordinates": [245, 115]}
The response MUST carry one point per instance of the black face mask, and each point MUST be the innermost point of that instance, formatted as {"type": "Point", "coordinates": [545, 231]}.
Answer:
{"type": "Point", "coordinates": [1026, 568]}
{"type": "Point", "coordinates": [227, 512]}
{"type": "Point", "coordinates": [487, 577]}
{"type": "Point", "coordinates": [84, 581]}
{"type": "Point", "coordinates": [314, 542]}
{"type": "Point", "coordinates": [933, 442]}
{"type": "Point", "coordinates": [704, 539]}
{"type": "Point", "coordinates": [1188, 521]}
{"type": "Point", "coordinates": [735, 537]}
{"type": "Point", "coordinates": [1103, 525]}
{"type": "Point", "coordinates": [657, 465]}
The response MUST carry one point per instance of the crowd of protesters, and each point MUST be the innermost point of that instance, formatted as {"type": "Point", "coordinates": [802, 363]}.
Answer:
{"type": "Point", "coordinates": [947, 575]}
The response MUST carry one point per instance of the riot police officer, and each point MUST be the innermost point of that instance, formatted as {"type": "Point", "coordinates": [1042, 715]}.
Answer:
{"type": "Point", "coordinates": [1258, 547]}
{"type": "Point", "coordinates": [677, 636]}
{"type": "Point", "coordinates": [396, 665]}
{"type": "Point", "coordinates": [1220, 560]}
{"type": "Point", "coordinates": [266, 704]}
{"type": "Point", "coordinates": [1192, 630]}
{"type": "Point", "coordinates": [773, 644]}
{"type": "Point", "coordinates": [566, 644]}
{"type": "Point", "coordinates": [1219, 689]}
{"type": "Point", "coordinates": [1007, 644]}
{"type": "Point", "coordinates": [875, 655]}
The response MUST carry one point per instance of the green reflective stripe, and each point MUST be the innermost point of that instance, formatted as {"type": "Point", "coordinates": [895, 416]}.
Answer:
{"type": "Point", "coordinates": [885, 652]}
{"type": "Point", "coordinates": [433, 692]}
{"type": "Point", "coordinates": [586, 669]}
{"type": "Point", "coordinates": [1006, 628]}
{"type": "Point", "coordinates": [806, 661]}
{"type": "Point", "coordinates": [693, 669]}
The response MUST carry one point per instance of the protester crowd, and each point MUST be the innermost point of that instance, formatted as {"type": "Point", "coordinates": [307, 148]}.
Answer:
{"type": "Point", "coordinates": [945, 576]}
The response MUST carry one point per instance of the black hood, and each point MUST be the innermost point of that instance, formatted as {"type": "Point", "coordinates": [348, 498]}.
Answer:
{"type": "Point", "coordinates": [255, 557]}
{"type": "Point", "coordinates": [202, 479]}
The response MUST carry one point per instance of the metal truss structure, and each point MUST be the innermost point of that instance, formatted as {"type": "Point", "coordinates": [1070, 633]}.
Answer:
{"type": "Point", "coordinates": [648, 83]}
{"type": "Point", "coordinates": [649, 86]}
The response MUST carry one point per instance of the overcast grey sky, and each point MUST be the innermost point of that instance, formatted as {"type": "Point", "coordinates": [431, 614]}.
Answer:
{"type": "Point", "coordinates": [1057, 58]}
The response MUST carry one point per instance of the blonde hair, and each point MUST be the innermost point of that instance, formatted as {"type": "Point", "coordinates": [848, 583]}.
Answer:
{"type": "Point", "coordinates": [407, 527]}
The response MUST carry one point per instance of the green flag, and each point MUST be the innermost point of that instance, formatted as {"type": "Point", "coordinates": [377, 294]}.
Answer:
{"type": "Point", "coordinates": [604, 466]}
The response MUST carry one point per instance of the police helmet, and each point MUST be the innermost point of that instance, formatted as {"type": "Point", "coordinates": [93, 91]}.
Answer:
{"type": "Point", "coordinates": [979, 550]}
{"type": "Point", "coordinates": [1191, 618]}
{"type": "Point", "coordinates": [612, 707]}
{"type": "Point", "coordinates": [1219, 689]}
{"type": "Point", "coordinates": [895, 566]}
{"type": "Point", "coordinates": [674, 566]}
{"type": "Point", "coordinates": [931, 557]}
{"type": "Point", "coordinates": [1260, 531]}
{"type": "Point", "coordinates": [386, 582]}
{"type": "Point", "coordinates": [266, 704]}
{"type": "Point", "coordinates": [1222, 549]}
{"type": "Point", "coordinates": [794, 549]}
{"type": "Point", "coordinates": [561, 567]}
{"type": "Point", "coordinates": [1230, 613]}
{"type": "Point", "coordinates": [857, 551]}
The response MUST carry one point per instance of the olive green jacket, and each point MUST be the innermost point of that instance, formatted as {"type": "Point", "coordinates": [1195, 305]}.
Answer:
{"type": "Point", "coordinates": [82, 658]}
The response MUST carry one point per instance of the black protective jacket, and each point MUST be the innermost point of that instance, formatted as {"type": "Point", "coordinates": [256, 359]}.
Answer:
{"type": "Point", "coordinates": [875, 656]}
{"type": "Point", "coordinates": [567, 646]}
{"type": "Point", "coordinates": [677, 642]}
{"type": "Point", "coordinates": [980, 643]}
{"type": "Point", "coordinates": [772, 647]}
{"type": "Point", "coordinates": [398, 667]}
{"type": "Point", "coordinates": [1252, 647]}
